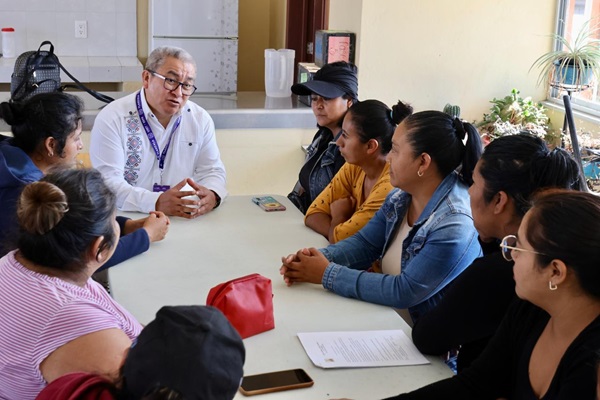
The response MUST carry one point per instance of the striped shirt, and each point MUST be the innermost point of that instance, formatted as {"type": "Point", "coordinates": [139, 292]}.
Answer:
{"type": "Point", "coordinates": [40, 313]}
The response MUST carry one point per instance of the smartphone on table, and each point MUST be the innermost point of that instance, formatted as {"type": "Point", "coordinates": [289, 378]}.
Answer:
{"type": "Point", "coordinates": [275, 382]}
{"type": "Point", "coordinates": [268, 203]}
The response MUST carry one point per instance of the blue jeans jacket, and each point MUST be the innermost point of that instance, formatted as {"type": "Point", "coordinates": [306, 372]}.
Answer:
{"type": "Point", "coordinates": [323, 161]}
{"type": "Point", "coordinates": [440, 245]}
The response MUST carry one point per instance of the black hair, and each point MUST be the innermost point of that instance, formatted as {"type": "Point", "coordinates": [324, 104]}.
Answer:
{"type": "Point", "coordinates": [61, 215]}
{"type": "Point", "coordinates": [451, 143]}
{"type": "Point", "coordinates": [353, 70]}
{"type": "Point", "coordinates": [519, 165]}
{"type": "Point", "coordinates": [159, 392]}
{"type": "Point", "coordinates": [563, 225]}
{"type": "Point", "coordinates": [348, 97]}
{"type": "Point", "coordinates": [374, 120]}
{"type": "Point", "coordinates": [44, 115]}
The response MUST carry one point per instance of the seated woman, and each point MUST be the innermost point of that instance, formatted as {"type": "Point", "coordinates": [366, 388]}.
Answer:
{"type": "Point", "coordinates": [361, 185]}
{"type": "Point", "coordinates": [546, 344]}
{"type": "Point", "coordinates": [333, 90]}
{"type": "Point", "coordinates": [423, 233]}
{"type": "Point", "coordinates": [47, 134]}
{"type": "Point", "coordinates": [55, 319]}
{"type": "Point", "coordinates": [510, 171]}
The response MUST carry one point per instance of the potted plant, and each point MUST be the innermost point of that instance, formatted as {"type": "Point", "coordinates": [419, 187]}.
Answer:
{"type": "Point", "coordinates": [514, 114]}
{"type": "Point", "coordinates": [574, 65]}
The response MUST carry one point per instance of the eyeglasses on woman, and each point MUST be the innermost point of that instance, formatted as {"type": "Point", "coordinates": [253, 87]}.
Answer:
{"type": "Point", "coordinates": [509, 244]}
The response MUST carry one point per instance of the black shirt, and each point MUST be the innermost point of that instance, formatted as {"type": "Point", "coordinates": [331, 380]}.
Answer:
{"type": "Point", "coordinates": [471, 309]}
{"type": "Point", "coordinates": [502, 370]}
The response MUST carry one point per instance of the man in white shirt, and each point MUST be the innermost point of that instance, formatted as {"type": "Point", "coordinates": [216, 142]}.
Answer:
{"type": "Point", "coordinates": [149, 144]}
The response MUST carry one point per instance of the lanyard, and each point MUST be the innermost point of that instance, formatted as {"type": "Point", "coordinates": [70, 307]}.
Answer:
{"type": "Point", "coordinates": [159, 156]}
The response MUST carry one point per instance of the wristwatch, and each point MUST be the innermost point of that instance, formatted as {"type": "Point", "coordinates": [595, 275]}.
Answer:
{"type": "Point", "coordinates": [218, 203]}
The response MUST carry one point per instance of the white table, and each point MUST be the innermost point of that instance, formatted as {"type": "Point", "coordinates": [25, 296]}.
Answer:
{"type": "Point", "coordinates": [237, 239]}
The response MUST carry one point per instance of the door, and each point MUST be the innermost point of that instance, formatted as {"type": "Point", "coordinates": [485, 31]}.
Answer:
{"type": "Point", "coordinates": [304, 18]}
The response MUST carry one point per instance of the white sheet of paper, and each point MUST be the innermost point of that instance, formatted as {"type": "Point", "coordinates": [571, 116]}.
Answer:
{"type": "Point", "coordinates": [360, 349]}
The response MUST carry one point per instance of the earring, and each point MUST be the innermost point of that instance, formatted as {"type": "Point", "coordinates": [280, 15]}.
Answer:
{"type": "Point", "coordinates": [420, 173]}
{"type": "Point", "coordinates": [50, 154]}
{"type": "Point", "coordinates": [552, 286]}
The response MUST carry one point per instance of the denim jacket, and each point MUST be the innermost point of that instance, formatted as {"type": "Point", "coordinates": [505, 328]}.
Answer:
{"type": "Point", "coordinates": [323, 161]}
{"type": "Point", "coordinates": [440, 245]}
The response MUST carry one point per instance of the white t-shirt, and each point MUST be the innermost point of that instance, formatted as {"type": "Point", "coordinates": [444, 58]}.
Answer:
{"type": "Point", "coordinates": [391, 263]}
{"type": "Point", "coordinates": [121, 151]}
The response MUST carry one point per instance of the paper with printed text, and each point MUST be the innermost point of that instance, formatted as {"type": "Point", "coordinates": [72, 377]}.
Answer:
{"type": "Point", "coordinates": [360, 349]}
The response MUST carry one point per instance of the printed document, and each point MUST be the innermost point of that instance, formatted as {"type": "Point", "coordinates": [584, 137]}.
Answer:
{"type": "Point", "coordinates": [361, 349]}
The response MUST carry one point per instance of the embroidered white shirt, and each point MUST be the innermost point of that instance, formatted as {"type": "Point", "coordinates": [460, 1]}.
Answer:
{"type": "Point", "coordinates": [121, 151]}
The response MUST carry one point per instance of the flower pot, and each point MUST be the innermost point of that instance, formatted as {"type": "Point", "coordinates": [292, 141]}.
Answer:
{"type": "Point", "coordinates": [569, 74]}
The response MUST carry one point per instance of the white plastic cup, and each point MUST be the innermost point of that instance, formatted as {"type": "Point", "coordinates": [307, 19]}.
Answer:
{"type": "Point", "coordinates": [279, 72]}
{"type": "Point", "coordinates": [8, 43]}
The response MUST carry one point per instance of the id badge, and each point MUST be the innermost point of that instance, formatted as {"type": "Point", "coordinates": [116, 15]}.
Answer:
{"type": "Point", "coordinates": [160, 188]}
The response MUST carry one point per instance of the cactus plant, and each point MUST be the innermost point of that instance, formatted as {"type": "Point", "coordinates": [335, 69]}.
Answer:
{"type": "Point", "coordinates": [452, 110]}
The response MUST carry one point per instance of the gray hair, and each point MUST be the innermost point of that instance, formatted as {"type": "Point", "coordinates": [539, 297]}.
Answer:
{"type": "Point", "coordinates": [157, 57]}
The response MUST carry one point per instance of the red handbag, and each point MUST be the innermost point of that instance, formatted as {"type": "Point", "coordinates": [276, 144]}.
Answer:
{"type": "Point", "coordinates": [247, 302]}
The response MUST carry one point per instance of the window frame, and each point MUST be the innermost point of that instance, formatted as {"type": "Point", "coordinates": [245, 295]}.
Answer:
{"type": "Point", "coordinates": [582, 105]}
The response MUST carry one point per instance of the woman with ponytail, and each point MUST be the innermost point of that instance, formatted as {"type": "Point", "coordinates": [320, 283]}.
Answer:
{"type": "Point", "coordinates": [423, 234]}
{"type": "Point", "coordinates": [359, 188]}
{"type": "Point", "coordinates": [510, 171]}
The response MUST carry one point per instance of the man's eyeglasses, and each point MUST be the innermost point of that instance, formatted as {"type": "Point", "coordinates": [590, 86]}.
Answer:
{"type": "Point", "coordinates": [187, 89]}
{"type": "Point", "coordinates": [508, 245]}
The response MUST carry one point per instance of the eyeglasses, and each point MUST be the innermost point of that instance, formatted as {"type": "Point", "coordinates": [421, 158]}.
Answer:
{"type": "Point", "coordinates": [508, 245]}
{"type": "Point", "coordinates": [187, 89]}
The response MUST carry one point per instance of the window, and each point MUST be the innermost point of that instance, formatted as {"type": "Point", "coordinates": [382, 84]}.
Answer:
{"type": "Point", "coordinates": [572, 15]}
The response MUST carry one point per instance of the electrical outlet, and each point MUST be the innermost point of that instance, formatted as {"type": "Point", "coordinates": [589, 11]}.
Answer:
{"type": "Point", "coordinates": [81, 29]}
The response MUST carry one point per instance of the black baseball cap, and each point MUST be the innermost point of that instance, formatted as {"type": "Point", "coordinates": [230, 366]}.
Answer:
{"type": "Point", "coordinates": [192, 350]}
{"type": "Point", "coordinates": [331, 81]}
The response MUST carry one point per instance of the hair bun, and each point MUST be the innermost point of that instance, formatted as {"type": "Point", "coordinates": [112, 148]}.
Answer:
{"type": "Point", "coordinates": [41, 207]}
{"type": "Point", "coordinates": [400, 111]}
{"type": "Point", "coordinates": [12, 113]}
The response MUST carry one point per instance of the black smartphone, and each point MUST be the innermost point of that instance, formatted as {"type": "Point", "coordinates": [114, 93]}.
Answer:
{"type": "Point", "coordinates": [275, 382]}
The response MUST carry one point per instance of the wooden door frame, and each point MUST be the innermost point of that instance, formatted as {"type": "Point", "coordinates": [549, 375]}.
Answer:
{"type": "Point", "coordinates": [303, 19]}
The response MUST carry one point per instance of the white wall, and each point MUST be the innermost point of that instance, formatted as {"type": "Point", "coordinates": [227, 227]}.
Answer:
{"type": "Point", "coordinates": [433, 52]}
{"type": "Point", "coordinates": [262, 161]}
{"type": "Point", "coordinates": [112, 25]}
{"type": "Point", "coordinates": [257, 161]}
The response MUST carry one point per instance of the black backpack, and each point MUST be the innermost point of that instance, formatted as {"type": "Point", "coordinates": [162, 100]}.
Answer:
{"type": "Point", "coordinates": [39, 72]}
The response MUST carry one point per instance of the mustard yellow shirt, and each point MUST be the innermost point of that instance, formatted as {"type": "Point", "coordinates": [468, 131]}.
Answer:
{"type": "Point", "coordinates": [348, 182]}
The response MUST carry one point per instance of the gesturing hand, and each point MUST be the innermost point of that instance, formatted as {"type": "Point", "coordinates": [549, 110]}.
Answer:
{"type": "Point", "coordinates": [172, 202]}
{"type": "Point", "coordinates": [208, 199]}
{"type": "Point", "coordinates": [307, 265]}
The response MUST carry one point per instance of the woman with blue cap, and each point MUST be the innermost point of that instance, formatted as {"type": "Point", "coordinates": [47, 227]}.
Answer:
{"type": "Point", "coordinates": [333, 90]}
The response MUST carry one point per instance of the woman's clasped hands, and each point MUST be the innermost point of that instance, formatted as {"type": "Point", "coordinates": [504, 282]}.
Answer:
{"type": "Point", "coordinates": [306, 265]}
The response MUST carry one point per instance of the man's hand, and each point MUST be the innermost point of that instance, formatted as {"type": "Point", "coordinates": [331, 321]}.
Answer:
{"type": "Point", "coordinates": [307, 265]}
{"type": "Point", "coordinates": [208, 199]}
{"type": "Point", "coordinates": [157, 225]}
{"type": "Point", "coordinates": [172, 202]}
